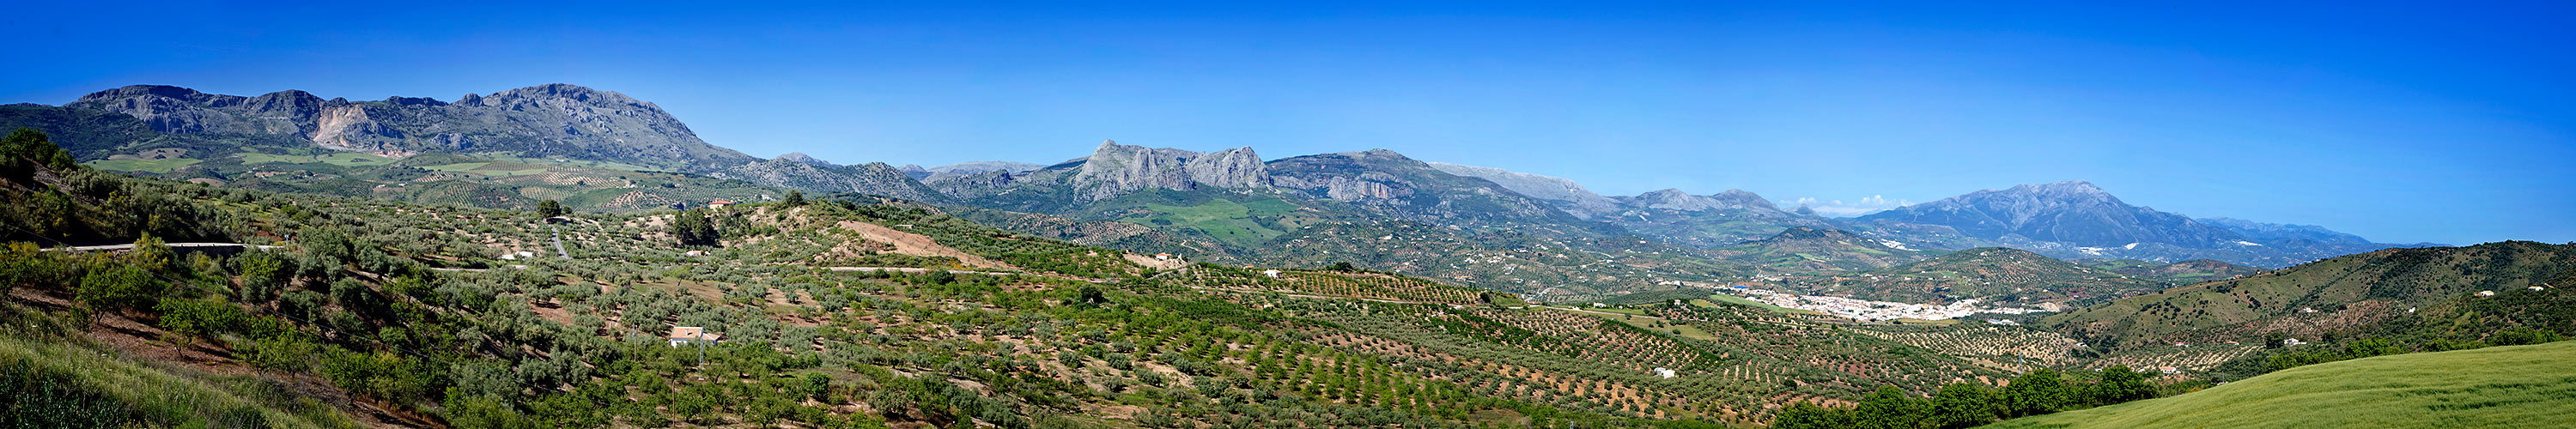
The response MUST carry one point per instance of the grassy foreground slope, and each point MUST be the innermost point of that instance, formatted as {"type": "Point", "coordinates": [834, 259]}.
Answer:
{"type": "Point", "coordinates": [2514, 386]}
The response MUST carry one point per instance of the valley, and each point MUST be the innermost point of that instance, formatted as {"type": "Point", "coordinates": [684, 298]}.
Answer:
{"type": "Point", "coordinates": [527, 258]}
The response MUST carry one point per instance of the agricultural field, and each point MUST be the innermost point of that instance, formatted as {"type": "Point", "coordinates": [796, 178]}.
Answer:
{"type": "Point", "coordinates": [489, 168]}
{"type": "Point", "coordinates": [163, 165]}
{"type": "Point", "coordinates": [2189, 357]}
{"type": "Point", "coordinates": [583, 163]}
{"type": "Point", "coordinates": [2496, 387]}
{"type": "Point", "coordinates": [341, 159]}
{"type": "Point", "coordinates": [2004, 347]}
{"type": "Point", "coordinates": [1222, 219]}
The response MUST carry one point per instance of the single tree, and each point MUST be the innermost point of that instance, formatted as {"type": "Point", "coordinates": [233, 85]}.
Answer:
{"type": "Point", "coordinates": [2039, 392]}
{"type": "Point", "coordinates": [550, 208]}
{"type": "Point", "coordinates": [1962, 405]}
{"type": "Point", "coordinates": [2119, 384]}
{"type": "Point", "coordinates": [794, 198]}
{"type": "Point", "coordinates": [693, 229]}
{"type": "Point", "coordinates": [1889, 408]}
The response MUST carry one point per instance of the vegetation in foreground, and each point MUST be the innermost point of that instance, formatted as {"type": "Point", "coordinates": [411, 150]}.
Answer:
{"type": "Point", "coordinates": [2497, 387]}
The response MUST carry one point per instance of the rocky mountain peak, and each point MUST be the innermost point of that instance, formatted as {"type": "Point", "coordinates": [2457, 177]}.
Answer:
{"type": "Point", "coordinates": [560, 90]}
{"type": "Point", "coordinates": [1115, 169]}
{"type": "Point", "coordinates": [2073, 212]}
{"type": "Point", "coordinates": [2067, 191]}
{"type": "Point", "coordinates": [809, 159]}
{"type": "Point", "coordinates": [131, 91]}
{"type": "Point", "coordinates": [1676, 199]}
{"type": "Point", "coordinates": [1568, 195]}
{"type": "Point", "coordinates": [552, 120]}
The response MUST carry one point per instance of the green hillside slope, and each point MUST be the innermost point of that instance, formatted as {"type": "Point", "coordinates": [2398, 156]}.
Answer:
{"type": "Point", "coordinates": [2520, 386]}
{"type": "Point", "coordinates": [2326, 296]}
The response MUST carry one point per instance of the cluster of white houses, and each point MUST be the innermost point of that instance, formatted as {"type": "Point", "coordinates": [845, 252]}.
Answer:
{"type": "Point", "coordinates": [1862, 309]}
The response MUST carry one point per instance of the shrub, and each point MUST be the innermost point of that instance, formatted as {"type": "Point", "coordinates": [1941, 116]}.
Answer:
{"type": "Point", "coordinates": [120, 287]}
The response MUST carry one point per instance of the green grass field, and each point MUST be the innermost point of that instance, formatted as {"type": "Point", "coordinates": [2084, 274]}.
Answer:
{"type": "Point", "coordinates": [2497, 387]}
{"type": "Point", "coordinates": [344, 159]}
{"type": "Point", "coordinates": [1683, 329]}
{"type": "Point", "coordinates": [353, 159]}
{"type": "Point", "coordinates": [603, 165]}
{"type": "Point", "coordinates": [147, 165]}
{"type": "Point", "coordinates": [249, 158]}
{"type": "Point", "coordinates": [461, 166]}
{"type": "Point", "coordinates": [1223, 219]}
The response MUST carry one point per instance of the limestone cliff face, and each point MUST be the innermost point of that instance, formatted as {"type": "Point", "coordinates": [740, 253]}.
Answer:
{"type": "Point", "coordinates": [1368, 186]}
{"type": "Point", "coordinates": [1354, 176]}
{"type": "Point", "coordinates": [347, 127]}
{"type": "Point", "coordinates": [875, 178]}
{"type": "Point", "coordinates": [1114, 170]}
{"type": "Point", "coordinates": [544, 121]}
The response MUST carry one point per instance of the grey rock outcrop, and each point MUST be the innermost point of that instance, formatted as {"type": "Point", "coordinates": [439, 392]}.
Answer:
{"type": "Point", "coordinates": [810, 159]}
{"type": "Point", "coordinates": [875, 178]}
{"type": "Point", "coordinates": [545, 121]}
{"type": "Point", "coordinates": [1114, 170]}
{"type": "Point", "coordinates": [1568, 195]}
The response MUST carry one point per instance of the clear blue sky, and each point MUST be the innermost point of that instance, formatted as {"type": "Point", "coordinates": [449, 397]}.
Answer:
{"type": "Point", "coordinates": [2448, 122]}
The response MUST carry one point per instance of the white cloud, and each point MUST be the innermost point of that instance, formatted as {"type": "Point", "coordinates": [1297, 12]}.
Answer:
{"type": "Point", "coordinates": [1840, 208]}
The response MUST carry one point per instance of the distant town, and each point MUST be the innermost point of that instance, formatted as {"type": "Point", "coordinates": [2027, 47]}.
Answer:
{"type": "Point", "coordinates": [1867, 310]}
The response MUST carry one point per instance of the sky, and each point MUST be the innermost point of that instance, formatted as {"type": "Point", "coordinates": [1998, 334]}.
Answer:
{"type": "Point", "coordinates": [2450, 122]}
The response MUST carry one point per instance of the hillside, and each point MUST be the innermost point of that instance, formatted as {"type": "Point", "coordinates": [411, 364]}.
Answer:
{"type": "Point", "coordinates": [2074, 212]}
{"type": "Point", "coordinates": [2325, 296]}
{"type": "Point", "coordinates": [875, 178]}
{"type": "Point", "coordinates": [2075, 219]}
{"type": "Point", "coordinates": [545, 121]}
{"type": "Point", "coordinates": [596, 150]}
{"type": "Point", "coordinates": [2496, 387]}
{"type": "Point", "coordinates": [1566, 194]}
{"type": "Point", "coordinates": [1804, 249]}
{"type": "Point", "coordinates": [1727, 218]}
{"type": "Point", "coordinates": [2196, 270]}
{"type": "Point", "coordinates": [1990, 274]}
{"type": "Point", "coordinates": [859, 312]}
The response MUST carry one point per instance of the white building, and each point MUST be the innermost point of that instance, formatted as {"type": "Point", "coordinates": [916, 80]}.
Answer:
{"type": "Point", "coordinates": [1665, 373]}
{"type": "Point", "coordinates": [684, 335]}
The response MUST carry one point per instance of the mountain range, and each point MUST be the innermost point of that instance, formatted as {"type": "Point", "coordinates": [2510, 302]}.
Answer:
{"type": "Point", "coordinates": [1364, 289]}
{"type": "Point", "coordinates": [1482, 226]}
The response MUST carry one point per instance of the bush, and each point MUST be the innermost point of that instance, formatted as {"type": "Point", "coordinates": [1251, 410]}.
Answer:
{"type": "Point", "coordinates": [2119, 384]}
{"type": "Point", "coordinates": [200, 319]}
{"type": "Point", "coordinates": [120, 287]}
{"type": "Point", "coordinates": [2522, 336]}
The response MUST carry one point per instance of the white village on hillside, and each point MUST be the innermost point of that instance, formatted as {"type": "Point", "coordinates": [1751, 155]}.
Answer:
{"type": "Point", "coordinates": [1867, 310]}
